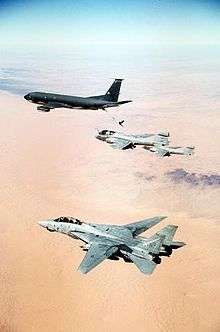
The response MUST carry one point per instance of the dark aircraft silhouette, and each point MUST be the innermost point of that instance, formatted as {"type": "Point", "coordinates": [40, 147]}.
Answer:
{"type": "Point", "coordinates": [49, 101]}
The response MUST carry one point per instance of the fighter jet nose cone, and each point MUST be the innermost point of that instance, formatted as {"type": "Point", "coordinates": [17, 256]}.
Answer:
{"type": "Point", "coordinates": [43, 224]}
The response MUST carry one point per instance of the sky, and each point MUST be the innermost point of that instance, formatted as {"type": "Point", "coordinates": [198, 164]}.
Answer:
{"type": "Point", "coordinates": [115, 22]}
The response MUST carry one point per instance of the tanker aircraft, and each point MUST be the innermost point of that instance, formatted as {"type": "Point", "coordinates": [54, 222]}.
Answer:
{"type": "Point", "coordinates": [49, 101]}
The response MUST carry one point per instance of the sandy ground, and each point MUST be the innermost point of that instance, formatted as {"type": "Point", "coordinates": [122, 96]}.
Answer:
{"type": "Point", "coordinates": [51, 165]}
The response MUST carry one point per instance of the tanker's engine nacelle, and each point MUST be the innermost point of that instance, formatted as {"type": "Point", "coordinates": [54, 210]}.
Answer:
{"type": "Point", "coordinates": [43, 109]}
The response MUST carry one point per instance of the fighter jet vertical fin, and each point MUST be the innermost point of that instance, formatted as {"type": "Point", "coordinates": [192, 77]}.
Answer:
{"type": "Point", "coordinates": [141, 226]}
{"type": "Point", "coordinates": [144, 265]}
{"type": "Point", "coordinates": [167, 233]}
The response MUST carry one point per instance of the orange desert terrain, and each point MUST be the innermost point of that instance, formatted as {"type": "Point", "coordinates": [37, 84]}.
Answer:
{"type": "Point", "coordinates": [52, 165]}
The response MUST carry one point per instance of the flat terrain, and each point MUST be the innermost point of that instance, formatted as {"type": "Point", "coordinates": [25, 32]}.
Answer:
{"type": "Point", "coordinates": [51, 165]}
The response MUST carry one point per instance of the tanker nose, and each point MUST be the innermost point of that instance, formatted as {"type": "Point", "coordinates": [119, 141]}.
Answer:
{"type": "Point", "coordinates": [27, 97]}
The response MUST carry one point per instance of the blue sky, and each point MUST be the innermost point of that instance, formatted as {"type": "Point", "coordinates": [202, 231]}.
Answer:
{"type": "Point", "coordinates": [70, 23]}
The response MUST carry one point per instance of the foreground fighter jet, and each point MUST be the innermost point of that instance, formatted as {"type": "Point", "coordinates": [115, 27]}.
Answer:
{"type": "Point", "coordinates": [49, 101]}
{"type": "Point", "coordinates": [123, 141]}
{"type": "Point", "coordinates": [166, 151]}
{"type": "Point", "coordinates": [115, 242]}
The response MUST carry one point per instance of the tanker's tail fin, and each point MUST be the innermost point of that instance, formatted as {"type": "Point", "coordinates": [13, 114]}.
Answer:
{"type": "Point", "coordinates": [113, 92]}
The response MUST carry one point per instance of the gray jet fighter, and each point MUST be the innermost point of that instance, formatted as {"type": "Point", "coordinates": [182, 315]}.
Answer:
{"type": "Point", "coordinates": [166, 151]}
{"type": "Point", "coordinates": [49, 101]}
{"type": "Point", "coordinates": [114, 242]}
{"type": "Point", "coordinates": [123, 141]}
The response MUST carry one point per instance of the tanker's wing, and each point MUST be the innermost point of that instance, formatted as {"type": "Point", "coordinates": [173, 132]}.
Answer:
{"type": "Point", "coordinates": [141, 226]}
{"type": "Point", "coordinates": [47, 107]}
{"type": "Point", "coordinates": [97, 253]}
{"type": "Point", "coordinates": [121, 144]}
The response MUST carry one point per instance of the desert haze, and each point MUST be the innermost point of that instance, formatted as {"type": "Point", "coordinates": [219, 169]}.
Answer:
{"type": "Point", "coordinates": [52, 165]}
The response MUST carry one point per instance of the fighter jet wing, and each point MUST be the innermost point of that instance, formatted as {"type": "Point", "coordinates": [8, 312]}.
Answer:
{"type": "Point", "coordinates": [121, 144]}
{"type": "Point", "coordinates": [97, 253]}
{"type": "Point", "coordinates": [144, 265]}
{"type": "Point", "coordinates": [141, 226]}
{"type": "Point", "coordinates": [161, 152]}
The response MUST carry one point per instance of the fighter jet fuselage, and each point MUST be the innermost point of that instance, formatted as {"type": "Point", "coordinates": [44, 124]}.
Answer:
{"type": "Point", "coordinates": [48, 101]}
{"type": "Point", "coordinates": [115, 242]}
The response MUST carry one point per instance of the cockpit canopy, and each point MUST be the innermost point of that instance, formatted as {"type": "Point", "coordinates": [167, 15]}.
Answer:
{"type": "Point", "coordinates": [106, 132]}
{"type": "Point", "coordinates": [68, 220]}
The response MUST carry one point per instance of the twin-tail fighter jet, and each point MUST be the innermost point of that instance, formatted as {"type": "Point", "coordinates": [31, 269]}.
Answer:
{"type": "Point", "coordinates": [49, 101]}
{"type": "Point", "coordinates": [114, 242]}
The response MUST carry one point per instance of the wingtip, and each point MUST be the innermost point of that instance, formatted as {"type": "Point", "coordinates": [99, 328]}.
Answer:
{"type": "Point", "coordinates": [163, 217]}
{"type": "Point", "coordinates": [82, 270]}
